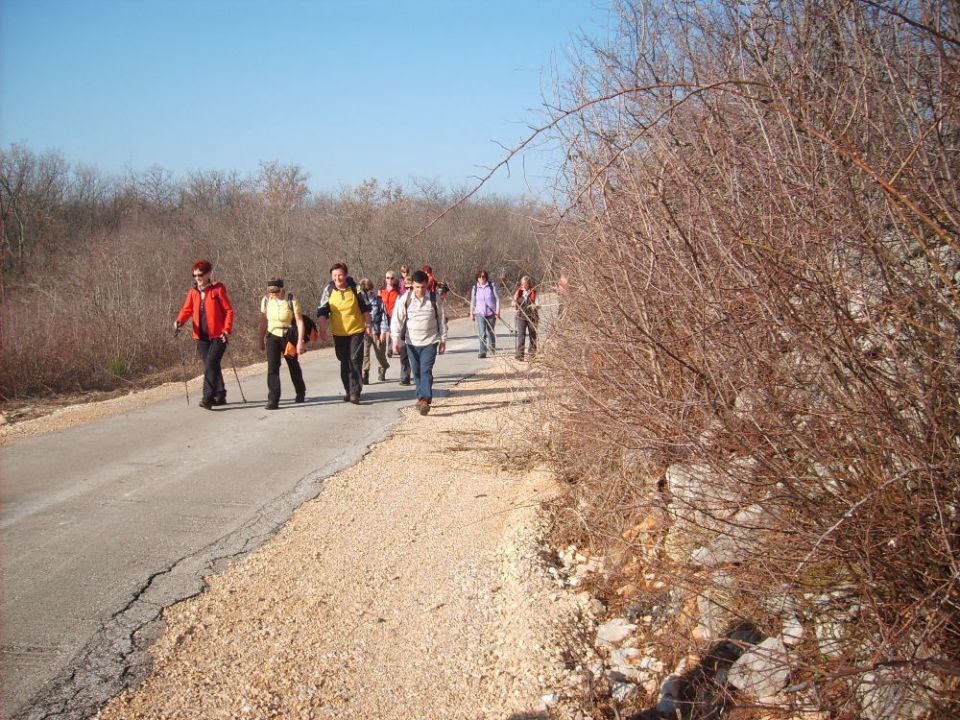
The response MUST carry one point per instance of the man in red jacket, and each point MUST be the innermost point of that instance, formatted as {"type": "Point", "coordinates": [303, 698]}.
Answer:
{"type": "Point", "coordinates": [209, 306]}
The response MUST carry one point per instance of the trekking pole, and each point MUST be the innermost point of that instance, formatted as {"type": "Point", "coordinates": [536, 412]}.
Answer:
{"type": "Point", "coordinates": [183, 364]}
{"type": "Point", "coordinates": [237, 376]}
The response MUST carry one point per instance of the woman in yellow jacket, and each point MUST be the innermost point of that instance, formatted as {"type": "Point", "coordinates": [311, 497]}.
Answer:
{"type": "Point", "coordinates": [277, 315]}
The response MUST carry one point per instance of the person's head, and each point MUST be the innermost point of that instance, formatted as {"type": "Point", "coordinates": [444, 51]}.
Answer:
{"type": "Point", "coordinates": [427, 269]}
{"type": "Point", "coordinates": [404, 270]}
{"type": "Point", "coordinates": [201, 271]}
{"type": "Point", "coordinates": [525, 282]}
{"type": "Point", "coordinates": [391, 278]}
{"type": "Point", "coordinates": [419, 280]}
{"type": "Point", "coordinates": [366, 284]}
{"type": "Point", "coordinates": [275, 286]}
{"type": "Point", "coordinates": [482, 277]}
{"type": "Point", "coordinates": [338, 273]}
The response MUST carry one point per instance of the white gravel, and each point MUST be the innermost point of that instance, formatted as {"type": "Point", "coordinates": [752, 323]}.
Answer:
{"type": "Point", "coordinates": [411, 588]}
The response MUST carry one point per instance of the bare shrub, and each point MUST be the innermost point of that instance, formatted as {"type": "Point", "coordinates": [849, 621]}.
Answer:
{"type": "Point", "coordinates": [762, 249]}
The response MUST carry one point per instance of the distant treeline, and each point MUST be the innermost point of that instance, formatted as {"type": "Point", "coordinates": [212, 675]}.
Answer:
{"type": "Point", "coordinates": [94, 268]}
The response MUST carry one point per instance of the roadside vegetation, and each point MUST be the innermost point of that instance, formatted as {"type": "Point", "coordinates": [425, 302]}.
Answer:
{"type": "Point", "coordinates": [94, 268]}
{"type": "Point", "coordinates": [753, 386]}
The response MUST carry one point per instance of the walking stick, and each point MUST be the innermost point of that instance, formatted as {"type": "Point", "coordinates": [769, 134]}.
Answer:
{"type": "Point", "coordinates": [237, 376]}
{"type": "Point", "coordinates": [183, 364]}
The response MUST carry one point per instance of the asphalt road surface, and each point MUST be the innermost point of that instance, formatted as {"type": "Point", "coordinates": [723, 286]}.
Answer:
{"type": "Point", "coordinates": [105, 524]}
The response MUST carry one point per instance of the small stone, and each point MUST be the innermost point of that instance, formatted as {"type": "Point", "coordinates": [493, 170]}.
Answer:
{"type": "Point", "coordinates": [792, 633]}
{"type": "Point", "coordinates": [623, 692]}
{"type": "Point", "coordinates": [615, 630]}
{"type": "Point", "coordinates": [550, 699]}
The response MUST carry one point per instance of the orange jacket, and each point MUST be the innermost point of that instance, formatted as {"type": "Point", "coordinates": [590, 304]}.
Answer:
{"type": "Point", "coordinates": [389, 297]}
{"type": "Point", "coordinates": [219, 310]}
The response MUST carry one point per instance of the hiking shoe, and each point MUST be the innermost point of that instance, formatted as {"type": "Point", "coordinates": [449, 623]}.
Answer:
{"type": "Point", "coordinates": [299, 399]}
{"type": "Point", "coordinates": [206, 404]}
{"type": "Point", "coordinates": [382, 374]}
{"type": "Point", "coordinates": [482, 355]}
{"type": "Point", "coordinates": [355, 399]}
{"type": "Point", "coordinates": [218, 401]}
{"type": "Point", "coordinates": [423, 406]}
{"type": "Point", "coordinates": [346, 398]}
{"type": "Point", "coordinates": [272, 406]}
{"type": "Point", "coordinates": [366, 377]}
{"type": "Point", "coordinates": [405, 382]}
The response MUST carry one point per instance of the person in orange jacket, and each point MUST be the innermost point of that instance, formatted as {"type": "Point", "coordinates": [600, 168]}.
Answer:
{"type": "Point", "coordinates": [208, 304]}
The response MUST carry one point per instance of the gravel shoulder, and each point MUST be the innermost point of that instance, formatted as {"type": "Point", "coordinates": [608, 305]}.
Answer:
{"type": "Point", "coordinates": [414, 586]}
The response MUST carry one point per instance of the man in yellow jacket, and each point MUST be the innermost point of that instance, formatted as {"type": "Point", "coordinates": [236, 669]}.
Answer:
{"type": "Point", "coordinates": [345, 313]}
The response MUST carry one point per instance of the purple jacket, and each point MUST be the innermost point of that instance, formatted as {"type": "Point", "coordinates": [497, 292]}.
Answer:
{"type": "Point", "coordinates": [484, 299]}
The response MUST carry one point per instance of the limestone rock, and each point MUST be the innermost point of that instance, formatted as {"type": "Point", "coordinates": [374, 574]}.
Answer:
{"type": "Point", "coordinates": [763, 670]}
{"type": "Point", "coordinates": [615, 631]}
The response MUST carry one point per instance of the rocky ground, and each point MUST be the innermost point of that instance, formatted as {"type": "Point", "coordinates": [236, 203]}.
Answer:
{"type": "Point", "coordinates": [417, 585]}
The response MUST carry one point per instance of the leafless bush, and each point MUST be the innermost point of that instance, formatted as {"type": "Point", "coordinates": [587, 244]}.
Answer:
{"type": "Point", "coordinates": [763, 251]}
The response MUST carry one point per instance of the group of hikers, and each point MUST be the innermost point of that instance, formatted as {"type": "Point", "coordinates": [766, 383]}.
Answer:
{"type": "Point", "coordinates": [406, 318]}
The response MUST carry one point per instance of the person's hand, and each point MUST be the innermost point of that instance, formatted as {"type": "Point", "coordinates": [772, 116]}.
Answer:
{"type": "Point", "coordinates": [324, 335]}
{"type": "Point", "coordinates": [176, 328]}
{"type": "Point", "coordinates": [443, 347]}
{"type": "Point", "coordinates": [472, 317]}
{"type": "Point", "coordinates": [225, 336]}
{"type": "Point", "coordinates": [396, 347]}
{"type": "Point", "coordinates": [301, 347]}
{"type": "Point", "coordinates": [383, 338]}
{"type": "Point", "coordinates": [497, 315]}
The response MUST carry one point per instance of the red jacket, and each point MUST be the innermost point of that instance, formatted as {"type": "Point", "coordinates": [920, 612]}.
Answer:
{"type": "Point", "coordinates": [219, 310]}
{"type": "Point", "coordinates": [389, 296]}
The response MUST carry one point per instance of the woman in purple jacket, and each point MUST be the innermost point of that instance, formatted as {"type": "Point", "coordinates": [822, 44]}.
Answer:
{"type": "Point", "coordinates": [485, 309]}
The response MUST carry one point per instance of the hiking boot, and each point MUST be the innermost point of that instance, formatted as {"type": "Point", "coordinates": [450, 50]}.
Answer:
{"type": "Point", "coordinates": [366, 377]}
{"type": "Point", "coordinates": [206, 404]}
{"type": "Point", "coordinates": [423, 406]}
{"type": "Point", "coordinates": [299, 399]}
{"type": "Point", "coordinates": [271, 406]}
{"type": "Point", "coordinates": [218, 401]}
{"type": "Point", "coordinates": [355, 399]}
{"type": "Point", "coordinates": [405, 382]}
{"type": "Point", "coordinates": [382, 374]}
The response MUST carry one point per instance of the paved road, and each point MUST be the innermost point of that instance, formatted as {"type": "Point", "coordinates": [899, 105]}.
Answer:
{"type": "Point", "coordinates": [104, 525]}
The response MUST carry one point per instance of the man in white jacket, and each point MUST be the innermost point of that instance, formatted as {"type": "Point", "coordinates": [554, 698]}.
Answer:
{"type": "Point", "coordinates": [420, 321]}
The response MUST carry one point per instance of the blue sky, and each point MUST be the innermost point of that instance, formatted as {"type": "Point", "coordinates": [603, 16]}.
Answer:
{"type": "Point", "coordinates": [407, 90]}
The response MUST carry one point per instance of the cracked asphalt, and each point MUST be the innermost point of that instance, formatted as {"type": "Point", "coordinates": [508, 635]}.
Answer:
{"type": "Point", "coordinates": [106, 523]}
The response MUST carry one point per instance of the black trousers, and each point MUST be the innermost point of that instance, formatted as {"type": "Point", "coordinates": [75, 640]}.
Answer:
{"type": "Point", "coordinates": [211, 352]}
{"type": "Point", "coordinates": [404, 362]}
{"type": "Point", "coordinates": [275, 346]}
{"type": "Point", "coordinates": [349, 349]}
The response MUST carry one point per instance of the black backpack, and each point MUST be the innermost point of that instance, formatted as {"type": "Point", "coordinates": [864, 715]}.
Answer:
{"type": "Point", "coordinates": [310, 333]}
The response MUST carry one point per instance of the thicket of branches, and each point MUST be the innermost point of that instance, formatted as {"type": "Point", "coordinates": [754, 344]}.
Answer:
{"type": "Point", "coordinates": [763, 255]}
{"type": "Point", "coordinates": [95, 268]}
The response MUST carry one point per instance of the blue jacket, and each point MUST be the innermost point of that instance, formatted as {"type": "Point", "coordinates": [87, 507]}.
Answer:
{"type": "Point", "coordinates": [378, 312]}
